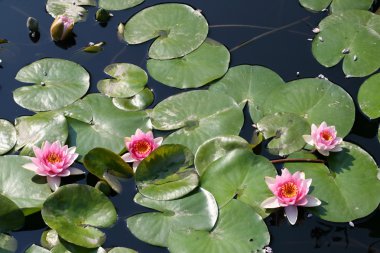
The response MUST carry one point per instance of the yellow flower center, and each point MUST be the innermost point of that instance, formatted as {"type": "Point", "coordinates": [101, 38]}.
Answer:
{"type": "Point", "coordinates": [326, 135]}
{"type": "Point", "coordinates": [142, 147]}
{"type": "Point", "coordinates": [289, 190]}
{"type": "Point", "coordinates": [54, 158]}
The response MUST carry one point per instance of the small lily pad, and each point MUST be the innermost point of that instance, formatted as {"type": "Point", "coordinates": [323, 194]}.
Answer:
{"type": "Point", "coordinates": [116, 5]}
{"type": "Point", "coordinates": [72, 9]}
{"type": "Point", "coordinates": [138, 102]}
{"type": "Point", "coordinates": [12, 217]}
{"type": "Point", "coordinates": [336, 5]}
{"type": "Point", "coordinates": [8, 244]}
{"type": "Point", "coordinates": [180, 30]}
{"type": "Point", "coordinates": [8, 136]}
{"type": "Point", "coordinates": [36, 249]}
{"type": "Point", "coordinates": [368, 97]}
{"type": "Point", "coordinates": [122, 250]}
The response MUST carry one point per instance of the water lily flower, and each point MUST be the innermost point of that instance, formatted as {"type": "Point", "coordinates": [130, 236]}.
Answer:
{"type": "Point", "coordinates": [324, 139]}
{"type": "Point", "coordinates": [53, 161]}
{"type": "Point", "coordinates": [140, 145]}
{"type": "Point", "coordinates": [290, 191]}
{"type": "Point", "coordinates": [61, 28]}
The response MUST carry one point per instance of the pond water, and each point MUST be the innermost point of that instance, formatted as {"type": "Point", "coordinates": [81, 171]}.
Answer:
{"type": "Point", "coordinates": [285, 51]}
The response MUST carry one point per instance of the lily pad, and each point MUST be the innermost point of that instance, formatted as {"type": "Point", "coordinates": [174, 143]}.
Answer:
{"type": "Point", "coordinates": [122, 250]}
{"type": "Point", "coordinates": [194, 69]}
{"type": "Point", "coordinates": [249, 84]}
{"type": "Point", "coordinates": [315, 100]}
{"type": "Point", "coordinates": [8, 136]}
{"type": "Point", "coordinates": [78, 110]}
{"type": "Point", "coordinates": [196, 211]}
{"type": "Point", "coordinates": [348, 188]}
{"type": "Point", "coordinates": [116, 5]}
{"type": "Point", "coordinates": [12, 217]}
{"type": "Point", "coordinates": [205, 115]}
{"type": "Point", "coordinates": [336, 5]}
{"type": "Point", "coordinates": [353, 36]}
{"type": "Point", "coordinates": [108, 127]}
{"type": "Point", "coordinates": [36, 249]}
{"type": "Point", "coordinates": [166, 173]}
{"type": "Point", "coordinates": [249, 234]}
{"type": "Point", "coordinates": [286, 129]}
{"type": "Point", "coordinates": [216, 148]}
{"type": "Point", "coordinates": [51, 78]}
{"type": "Point", "coordinates": [8, 244]}
{"type": "Point", "coordinates": [180, 30]}
{"type": "Point", "coordinates": [140, 101]}
{"type": "Point", "coordinates": [34, 130]}
{"type": "Point", "coordinates": [20, 185]}
{"type": "Point", "coordinates": [239, 174]}
{"type": "Point", "coordinates": [128, 80]}
{"type": "Point", "coordinates": [76, 217]}
{"type": "Point", "coordinates": [368, 97]}
{"type": "Point", "coordinates": [72, 9]}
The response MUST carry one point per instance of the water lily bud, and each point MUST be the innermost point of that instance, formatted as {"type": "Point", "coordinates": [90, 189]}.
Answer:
{"type": "Point", "coordinates": [102, 15]}
{"type": "Point", "coordinates": [61, 28]}
{"type": "Point", "coordinates": [32, 24]}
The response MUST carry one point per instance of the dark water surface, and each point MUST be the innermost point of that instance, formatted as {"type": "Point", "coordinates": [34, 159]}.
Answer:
{"type": "Point", "coordinates": [286, 52]}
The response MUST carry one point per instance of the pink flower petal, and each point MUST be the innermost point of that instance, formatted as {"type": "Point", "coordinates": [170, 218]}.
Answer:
{"type": "Point", "coordinates": [158, 140]}
{"type": "Point", "coordinates": [75, 171]}
{"type": "Point", "coordinates": [127, 158]}
{"type": "Point", "coordinates": [54, 182]}
{"type": "Point", "coordinates": [291, 213]}
{"type": "Point", "coordinates": [271, 202]}
{"type": "Point", "coordinates": [30, 166]}
{"type": "Point", "coordinates": [312, 201]}
{"type": "Point", "coordinates": [308, 139]}
{"type": "Point", "coordinates": [135, 165]}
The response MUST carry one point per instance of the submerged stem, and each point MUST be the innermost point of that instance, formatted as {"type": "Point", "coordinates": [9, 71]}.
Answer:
{"type": "Point", "coordinates": [297, 160]}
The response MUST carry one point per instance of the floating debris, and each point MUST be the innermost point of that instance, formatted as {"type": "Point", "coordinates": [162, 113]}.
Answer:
{"type": "Point", "coordinates": [3, 41]}
{"type": "Point", "coordinates": [298, 73]}
{"type": "Point", "coordinates": [316, 30]}
{"type": "Point", "coordinates": [94, 48]}
{"type": "Point", "coordinates": [120, 31]}
{"type": "Point", "coordinates": [325, 9]}
{"type": "Point", "coordinates": [309, 215]}
{"type": "Point", "coordinates": [348, 76]}
{"type": "Point", "coordinates": [351, 224]}
{"type": "Point", "coordinates": [320, 39]}
{"type": "Point", "coordinates": [32, 24]}
{"type": "Point", "coordinates": [102, 15]}
{"type": "Point", "coordinates": [355, 57]}
{"type": "Point", "coordinates": [346, 51]}
{"type": "Point", "coordinates": [309, 39]}
{"type": "Point", "coordinates": [321, 76]}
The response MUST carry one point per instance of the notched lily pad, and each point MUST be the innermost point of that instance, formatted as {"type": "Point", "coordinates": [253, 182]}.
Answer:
{"type": "Point", "coordinates": [116, 5]}
{"type": "Point", "coordinates": [336, 5]}
{"type": "Point", "coordinates": [72, 9]}
{"type": "Point", "coordinates": [8, 136]}
{"type": "Point", "coordinates": [368, 97]}
{"type": "Point", "coordinates": [140, 101]}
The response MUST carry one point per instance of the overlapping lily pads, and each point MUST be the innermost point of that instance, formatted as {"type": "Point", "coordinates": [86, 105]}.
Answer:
{"type": "Point", "coordinates": [72, 9]}
{"type": "Point", "coordinates": [197, 211]}
{"type": "Point", "coordinates": [8, 136]}
{"type": "Point", "coordinates": [336, 5]}
{"type": "Point", "coordinates": [36, 249]}
{"type": "Point", "coordinates": [75, 212]}
{"type": "Point", "coordinates": [368, 97]}
{"type": "Point", "coordinates": [115, 5]}
{"type": "Point", "coordinates": [8, 244]}
{"type": "Point", "coordinates": [56, 83]}
{"type": "Point", "coordinates": [353, 36]}
{"type": "Point", "coordinates": [180, 30]}
{"type": "Point", "coordinates": [12, 217]}
{"type": "Point", "coordinates": [140, 101]}
{"type": "Point", "coordinates": [194, 69]}
{"type": "Point", "coordinates": [206, 115]}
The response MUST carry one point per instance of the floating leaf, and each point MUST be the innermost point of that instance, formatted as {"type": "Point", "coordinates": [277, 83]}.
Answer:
{"type": "Point", "coordinates": [249, 234]}
{"type": "Point", "coordinates": [12, 217]}
{"type": "Point", "coordinates": [108, 127]}
{"type": "Point", "coordinates": [34, 130]}
{"type": "Point", "coordinates": [3, 41]}
{"type": "Point", "coordinates": [336, 5]}
{"type": "Point", "coordinates": [249, 84]}
{"type": "Point", "coordinates": [75, 211]}
{"type": "Point", "coordinates": [239, 174]}
{"type": "Point", "coordinates": [8, 244]}
{"type": "Point", "coordinates": [36, 249]}
{"type": "Point", "coordinates": [72, 9]}
{"type": "Point", "coordinates": [348, 189]}
{"type": "Point", "coordinates": [51, 78]}
{"type": "Point", "coordinates": [94, 48]}
{"type": "Point", "coordinates": [166, 173]}
{"type": "Point", "coordinates": [78, 110]}
{"type": "Point", "coordinates": [180, 30]}
{"type": "Point", "coordinates": [121, 250]}
{"type": "Point", "coordinates": [138, 102]}
{"type": "Point", "coordinates": [115, 5]}
{"type": "Point", "coordinates": [352, 36]}
{"type": "Point", "coordinates": [8, 136]}
{"type": "Point", "coordinates": [197, 211]}
{"type": "Point", "coordinates": [194, 69]}
{"type": "Point", "coordinates": [197, 116]}
{"type": "Point", "coordinates": [66, 247]}
{"type": "Point", "coordinates": [368, 97]}
{"type": "Point", "coordinates": [102, 15]}
{"type": "Point", "coordinates": [128, 80]}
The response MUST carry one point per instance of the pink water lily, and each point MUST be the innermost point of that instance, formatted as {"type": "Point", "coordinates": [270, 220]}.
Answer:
{"type": "Point", "coordinates": [53, 161]}
{"type": "Point", "coordinates": [61, 28]}
{"type": "Point", "coordinates": [140, 145]}
{"type": "Point", "coordinates": [324, 138]}
{"type": "Point", "coordinates": [290, 191]}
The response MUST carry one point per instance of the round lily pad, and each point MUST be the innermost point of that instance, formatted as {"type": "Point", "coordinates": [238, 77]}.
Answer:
{"type": "Point", "coordinates": [140, 101]}
{"type": "Point", "coordinates": [8, 244]}
{"type": "Point", "coordinates": [350, 35]}
{"type": "Point", "coordinates": [197, 211]}
{"type": "Point", "coordinates": [368, 97]}
{"type": "Point", "coordinates": [249, 234]}
{"type": "Point", "coordinates": [51, 78]}
{"type": "Point", "coordinates": [180, 30]}
{"type": "Point", "coordinates": [194, 69]}
{"type": "Point", "coordinates": [12, 217]}
{"type": "Point", "coordinates": [249, 84]}
{"type": "Point", "coordinates": [8, 136]}
{"type": "Point", "coordinates": [336, 5]}
{"type": "Point", "coordinates": [197, 116]}
{"type": "Point", "coordinates": [36, 249]}
{"type": "Point", "coordinates": [348, 188]}
{"type": "Point", "coordinates": [75, 212]}
{"type": "Point", "coordinates": [239, 174]}
{"type": "Point", "coordinates": [72, 9]}
{"type": "Point", "coordinates": [116, 5]}
{"type": "Point", "coordinates": [128, 80]}
{"type": "Point", "coordinates": [166, 173]}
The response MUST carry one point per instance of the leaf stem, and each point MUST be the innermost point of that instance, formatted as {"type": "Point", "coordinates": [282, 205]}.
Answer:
{"type": "Point", "coordinates": [297, 160]}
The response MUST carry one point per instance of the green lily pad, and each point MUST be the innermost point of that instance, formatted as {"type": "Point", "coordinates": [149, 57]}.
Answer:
{"type": "Point", "coordinates": [72, 9]}
{"type": "Point", "coordinates": [197, 211]}
{"type": "Point", "coordinates": [180, 30]}
{"type": "Point", "coordinates": [51, 78]}
{"type": "Point", "coordinates": [368, 97]}
{"type": "Point", "coordinates": [75, 212]}
{"type": "Point", "coordinates": [128, 80]}
{"type": "Point", "coordinates": [34, 130]}
{"type": "Point", "coordinates": [336, 5]}
{"type": "Point", "coordinates": [194, 69]}
{"type": "Point", "coordinates": [286, 129]}
{"type": "Point", "coordinates": [166, 173]}
{"type": "Point", "coordinates": [78, 110]}
{"type": "Point", "coordinates": [36, 249]}
{"type": "Point", "coordinates": [12, 217]}
{"type": "Point", "coordinates": [239, 174]}
{"type": "Point", "coordinates": [108, 127]}
{"type": "Point", "coordinates": [352, 36]}
{"type": "Point", "coordinates": [8, 244]}
{"type": "Point", "coordinates": [197, 116]}
{"type": "Point", "coordinates": [122, 250]}
{"type": "Point", "coordinates": [8, 136]}
{"type": "Point", "coordinates": [216, 148]}
{"type": "Point", "coordinates": [315, 100]}
{"type": "Point", "coordinates": [348, 188]}
{"type": "Point", "coordinates": [49, 239]}
{"type": "Point", "coordinates": [138, 102]}
{"type": "Point", "coordinates": [249, 84]}
{"type": "Point", "coordinates": [116, 5]}
{"type": "Point", "coordinates": [20, 185]}
{"type": "Point", "coordinates": [248, 234]}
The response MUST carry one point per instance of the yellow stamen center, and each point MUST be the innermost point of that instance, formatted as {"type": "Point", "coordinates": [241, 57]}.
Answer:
{"type": "Point", "coordinates": [326, 135]}
{"type": "Point", "coordinates": [142, 147]}
{"type": "Point", "coordinates": [289, 190]}
{"type": "Point", "coordinates": [54, 158]}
